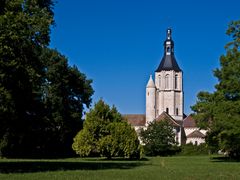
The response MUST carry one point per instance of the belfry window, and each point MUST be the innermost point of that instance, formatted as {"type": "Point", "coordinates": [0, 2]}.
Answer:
{"type": "Point", "coordinates": [167, 110]}
{"type": "Point", "coordinates": [167, 81]}
{"type": "Point", "coordinates": [177, 111]}
{"type": "Point", "coordinates": [176, 81]}
{"type": "Point", "coordinates": [168, 49]}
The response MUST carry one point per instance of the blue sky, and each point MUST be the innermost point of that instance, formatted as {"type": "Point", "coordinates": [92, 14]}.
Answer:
{"type": "Point", "coordinates": [119, 43]}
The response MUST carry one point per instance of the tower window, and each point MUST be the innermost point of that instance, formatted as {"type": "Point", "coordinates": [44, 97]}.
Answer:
{"type": "Point", "coordinates": [176, 81]}
{"type": "Point", "coordinates": [167, 111]}
{"type": "Point", "coordinates": [177, 111]}
{"type": "Point", "coordinates": [167, 81]}
{"type": "Point", "coordinates": [168, 49]}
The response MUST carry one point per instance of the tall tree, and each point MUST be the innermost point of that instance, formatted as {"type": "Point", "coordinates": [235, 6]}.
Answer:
{"type": "Point", "coordinates": [42, 98]}
{"type": "Point", "coordinates": [66, 91]}
{"type": "Point", "coordinates": [24, 31]}
{"type": "Point", "coordinates": [219, 112]}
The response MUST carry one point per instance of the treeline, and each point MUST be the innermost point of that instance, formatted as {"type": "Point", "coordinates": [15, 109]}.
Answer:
{"type": "Point", "coordinates": [42, 98]}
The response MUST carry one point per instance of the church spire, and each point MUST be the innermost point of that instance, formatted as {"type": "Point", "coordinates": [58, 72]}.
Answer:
{"type": "Point", "coordinates": [169, 34]}
{"type": "Point", "coordinates": [169, 44]}
{"type": "Point", "coordinates": [168, 61]}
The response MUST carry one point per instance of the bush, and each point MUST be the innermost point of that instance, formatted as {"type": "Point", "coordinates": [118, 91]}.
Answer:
{"type": "Point", "coordinates": [190, 149]}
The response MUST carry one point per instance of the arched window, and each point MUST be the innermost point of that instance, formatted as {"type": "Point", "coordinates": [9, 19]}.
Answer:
{"type": "Point", "coordinates": [177, 111]}
{"type": "Point", "coordinates": [167, 111]}
{"type": "Point", "coordinates": [176, 81]}
{"type": "Point", "coordinates": [167, 81]}
{"type": "Point", "coordinates": [168, 49]}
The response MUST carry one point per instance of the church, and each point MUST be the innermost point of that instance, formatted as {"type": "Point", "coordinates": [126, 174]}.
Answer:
{"type": "Point", "coordinates": [165, 100]}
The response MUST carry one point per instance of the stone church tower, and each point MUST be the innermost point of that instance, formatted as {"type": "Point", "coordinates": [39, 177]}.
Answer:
{"type": "Point", "coordinates": [164, 100]}
{"type": "Point", "coordinates": [166, 94]}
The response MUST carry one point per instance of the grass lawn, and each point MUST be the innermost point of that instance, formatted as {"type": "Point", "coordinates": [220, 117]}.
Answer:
{"type": "Point", "coordinates": [177, 167]}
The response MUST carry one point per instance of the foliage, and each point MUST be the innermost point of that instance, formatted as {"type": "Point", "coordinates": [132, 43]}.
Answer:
{"type": "Point", "coordinates": [159, 139]}
{"type": "Point", "coordinates": [24, 32]}
{"type": "Point", "coordinates": [219, 112]}
{"type": "Point", "coordinates": [41, 96]}
{"type": "Point", "coordinates": [191, 149]}
{"type": "Point", "coordinates": [66, 91]}
{"type": "Point", "coordinates": [106, 133]}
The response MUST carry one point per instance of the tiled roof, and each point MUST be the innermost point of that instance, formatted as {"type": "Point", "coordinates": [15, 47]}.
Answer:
{"type": "Point", "coordinates": [136, 119]}
{"type": "Point", "coordinates": [165, 116]}
{"type": "Point", "coordinates": [196, 134]}
{"type": "Point", "coordinates": [189, 122]}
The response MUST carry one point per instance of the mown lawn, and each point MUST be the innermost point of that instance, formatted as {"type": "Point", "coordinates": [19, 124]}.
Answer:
{"type": "Point", "coordinates": [178, 167]}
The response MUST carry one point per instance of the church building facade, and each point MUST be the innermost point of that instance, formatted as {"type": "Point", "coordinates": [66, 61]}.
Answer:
{"type": "Point", "coordinates": [165, 99]}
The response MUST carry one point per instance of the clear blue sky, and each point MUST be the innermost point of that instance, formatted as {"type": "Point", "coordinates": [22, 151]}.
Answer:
{"type": "Point", "coordinates": [119, 43]}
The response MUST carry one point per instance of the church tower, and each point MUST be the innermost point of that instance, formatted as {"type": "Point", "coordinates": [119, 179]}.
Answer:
{"type": "Point", "coordinates": [150, 100]}
{"type": "Point", "coordinates": [168, 86]}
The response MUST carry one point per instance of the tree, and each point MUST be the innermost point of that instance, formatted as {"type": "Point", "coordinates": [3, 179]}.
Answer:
{"type": "Point", "coordinates": [106, 133]}
{"type": "Point", "coordinates": [24, 32]}
{"type": "Point", "coordinates": [42, 98]}
{"type": "Point", "coordinates": [219, 112]}
{"type": "Point", "coordinates": [159, 139]}
{"type": "Point", "coordinates": [66, 92]}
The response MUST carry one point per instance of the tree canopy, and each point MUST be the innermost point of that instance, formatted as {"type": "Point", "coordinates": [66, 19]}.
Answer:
{"type": "Point", "coordinates": [42, 98]}
{"type": "Point", "coordinates": [159, 139]}
{"type": "Point", "coordinates": [219, 112]}
{"type": "Point", "coordinates": [106, 133]}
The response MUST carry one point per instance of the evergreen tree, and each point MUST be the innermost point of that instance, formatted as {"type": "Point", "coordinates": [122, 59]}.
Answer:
{"type": "Point", "coordinates": [219, 112]}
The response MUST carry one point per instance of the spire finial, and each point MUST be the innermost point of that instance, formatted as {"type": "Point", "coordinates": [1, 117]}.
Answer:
{"type": "Point", "coordinates": [169, 33]}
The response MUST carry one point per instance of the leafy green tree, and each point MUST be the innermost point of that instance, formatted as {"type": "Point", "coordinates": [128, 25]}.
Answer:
{"type": "Point", "coordinates": [106, 133]}
{"type": "Point", "coordinates": [42, 98]}
{"type": "Point", "coordinates": [122, 141]}
{"type": "Point", "coordinates": [66, 91]}
{"type": "Point", "coordinates": [24, 32]}
{"type": "Point", "coordinates": [219, 112]}
{"type": "Point", "coordinates": [159, 139]}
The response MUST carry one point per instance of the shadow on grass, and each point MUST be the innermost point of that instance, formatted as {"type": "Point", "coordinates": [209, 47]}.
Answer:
{"type": "Point", "coordinates": [22, 166]}
{"type": "Point", "coordinates": [224, 159]}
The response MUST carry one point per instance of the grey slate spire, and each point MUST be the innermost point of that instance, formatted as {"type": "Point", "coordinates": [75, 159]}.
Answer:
{"type": "Point", "coordinates": [168, 61]}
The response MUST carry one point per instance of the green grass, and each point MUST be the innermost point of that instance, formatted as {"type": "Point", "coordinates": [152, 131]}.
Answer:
{"type": "Point", "coordinates": [178, 167]}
